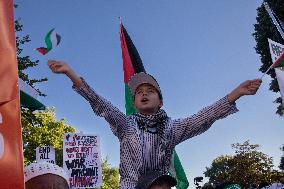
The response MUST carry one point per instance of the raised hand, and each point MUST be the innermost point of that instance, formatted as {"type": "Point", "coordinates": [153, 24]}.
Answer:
{"type": "Point", "coordinates": [248, 87]}
{"type": "Point", "coordinates": [60, 67]}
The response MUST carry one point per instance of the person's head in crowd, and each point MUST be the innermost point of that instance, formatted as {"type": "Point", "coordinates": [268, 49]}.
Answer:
{"type": "Point", "coordinates": [146, 93]}
{"type": "Point", "coordinates": [156, 180]}
{"type": "Point", "coordinates": [44, 175]}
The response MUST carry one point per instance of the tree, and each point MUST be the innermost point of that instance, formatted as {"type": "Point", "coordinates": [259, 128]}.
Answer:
{"type": "Point", "coordinates": [110, 176]}
{"type": "Point", "coordinates": [25, 62]}
{"type": "Point", "coordinates": [264, 29]}
{"type": "Point", "coordinates": [281, 166]}
{"type": "Point", "coordinates": [40, 128]}
{"type": "Point", "coordinates": [43, 130]}
{"type": "Point", "coordinates": [246, 167]}
{"type": "Point", "coordinates": [219, 170]}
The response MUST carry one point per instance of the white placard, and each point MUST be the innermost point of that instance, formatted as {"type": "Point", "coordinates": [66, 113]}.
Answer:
{"type": "Point", "coordinates": [276, 49]}
{"type": "Point", "coordinates": [82, 160]}
{"type": "Point", "coordinates": [45, 153]}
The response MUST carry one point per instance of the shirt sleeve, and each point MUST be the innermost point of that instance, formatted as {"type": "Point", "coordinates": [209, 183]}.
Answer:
{"type": "Point", "coordinates": [196, 124]}
{"type": "Point", "coordinates": [103, 108]}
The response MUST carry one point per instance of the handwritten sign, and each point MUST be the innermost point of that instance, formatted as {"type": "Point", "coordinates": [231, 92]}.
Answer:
{"type": "Point", "coordinates": [45, 153]}
{"type": "Point", "coordinates": [82, 160]}
{"type": "Point", "coordinates": [276, 49]}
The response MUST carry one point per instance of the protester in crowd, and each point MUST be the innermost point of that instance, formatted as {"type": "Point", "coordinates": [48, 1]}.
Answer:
{"type": "Point", "coordinates": [155, 180]}
{"type": "Point", "coordinates": [148, 138]}
{"type": "Point", "coordinates": [44, 175]}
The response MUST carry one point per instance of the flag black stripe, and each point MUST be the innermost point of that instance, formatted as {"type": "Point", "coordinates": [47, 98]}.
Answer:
{"type": "Point", "coordinates": [133, 53]}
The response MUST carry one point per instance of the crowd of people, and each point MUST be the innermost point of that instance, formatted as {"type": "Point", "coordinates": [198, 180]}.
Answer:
{"type": "Point", "coordinates": [44, 175]}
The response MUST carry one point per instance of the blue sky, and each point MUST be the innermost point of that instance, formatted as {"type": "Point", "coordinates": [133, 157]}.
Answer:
{"type": "Point", "coordinates": [198, 51]}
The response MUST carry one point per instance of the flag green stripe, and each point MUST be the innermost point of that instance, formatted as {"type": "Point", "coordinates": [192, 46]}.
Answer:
{"type": "Point", "coordinates": [129, 104]}
{"type": "Point", "coordinates": [28, 101]}
{"type": "Point", "coordinates": [48, 41]}
{"type": "Point", "coordinates": [182, 181]}
{"type": "Point", "coordinates": [281, 63]}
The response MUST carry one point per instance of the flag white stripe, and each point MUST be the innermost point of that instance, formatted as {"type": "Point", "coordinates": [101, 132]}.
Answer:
{"type": "Point", "coordinates": [53, 39]}
{"type": "Point", "coordinates": [27, 89]}
{"type": "Point", "coordinates": [280, 78]}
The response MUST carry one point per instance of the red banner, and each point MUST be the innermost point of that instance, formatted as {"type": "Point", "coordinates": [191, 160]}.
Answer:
{"type": "Point", "coordinates": [11, 153]}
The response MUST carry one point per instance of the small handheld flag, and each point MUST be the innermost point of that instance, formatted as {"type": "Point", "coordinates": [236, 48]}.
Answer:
{"type": "Point", "coordinates": [277, 56]}
{"type": "Point", "coordinates": [279, 62]}
{"type": "Point", "coordinates": [52, 39]}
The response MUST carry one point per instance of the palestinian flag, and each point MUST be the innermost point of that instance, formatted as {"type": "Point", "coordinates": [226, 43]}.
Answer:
{"type": "Point", "coordinates": [279, 62]}
{"type": "Point", "coordinates": [52, 39]}
{"type": "Point", "coordinates": [277, 53]}
{"type": "Point", "coordinates": [176, 170]}
{"type": "Point", "coordinates": [132, 64]}
{"type": "Point", "coordinates": [28, 97]}
{"type": "Point", "coordinates": [278, 57]}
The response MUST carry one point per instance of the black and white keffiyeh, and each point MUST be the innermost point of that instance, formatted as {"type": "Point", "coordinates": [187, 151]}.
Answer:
{"type": "Point", "coordinates": [154, 123]}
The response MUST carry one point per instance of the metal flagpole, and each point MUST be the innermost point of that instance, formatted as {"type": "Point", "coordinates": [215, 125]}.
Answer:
{"type": "Point", "coordinates": [266, 71]}
{"type": "Point", "coordinates": [278, 26]}
{"type": "Point", "coordinates": [271, 14]}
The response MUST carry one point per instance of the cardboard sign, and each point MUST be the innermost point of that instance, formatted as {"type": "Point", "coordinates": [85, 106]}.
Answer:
{"type": "Point", "coordinates": [45, 153]}
{"type": "Point", "coordinates": [82, 160]}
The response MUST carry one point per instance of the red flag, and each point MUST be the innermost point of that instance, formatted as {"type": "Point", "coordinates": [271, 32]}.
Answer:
{"type": "Point", "coordinates": [11, 153]}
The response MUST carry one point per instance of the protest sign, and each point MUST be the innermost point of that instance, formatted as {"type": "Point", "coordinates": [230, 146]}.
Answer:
{"type": "Point", "coordinates": [45, 153]}
{"type": "Point", "coordinates": [82, 160]}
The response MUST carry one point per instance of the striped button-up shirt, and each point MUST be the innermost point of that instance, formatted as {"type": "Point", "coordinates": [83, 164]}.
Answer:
{"type": "Point", "coordinates": [141, 151]}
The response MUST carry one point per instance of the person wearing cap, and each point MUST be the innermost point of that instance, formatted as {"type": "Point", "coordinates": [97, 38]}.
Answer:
{"type": "Point", "coordinates": [44, 175]}
{"type": "Point", "coordinates": [148, 138]}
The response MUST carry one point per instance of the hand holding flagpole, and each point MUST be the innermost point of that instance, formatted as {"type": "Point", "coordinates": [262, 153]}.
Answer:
{"type": "Point", "coordinates": [278, 63]}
